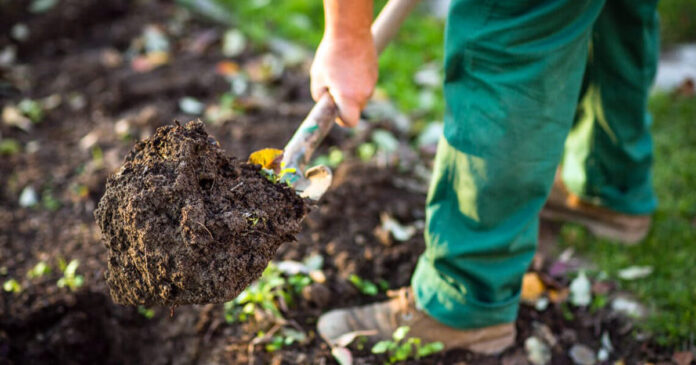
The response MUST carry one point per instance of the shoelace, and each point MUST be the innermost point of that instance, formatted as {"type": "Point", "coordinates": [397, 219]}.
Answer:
{"type": "Point", "coordinates": [406, 305]}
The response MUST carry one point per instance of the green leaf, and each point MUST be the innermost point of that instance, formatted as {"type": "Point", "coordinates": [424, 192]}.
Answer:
{"type": "Point", "coordinates": [400, 333]}
{"type": "Point", "coordinates": [42, 6]}
{"type": "Point", "coordinates": [12, 286]}
{"type": "Point", "coordinates": [429, 349]}
{"type": "Point", "coordinates": [402, 352]}
{"type": "Point", "coordinates": [9, 147]}
{"type": "Point", "coordinates": [365, 286]}
{"type": "Point", "coordinates": [71, 268]}
{"type": "Point", "coordinates": [146, 312]}
{"type": "Point", "coordinates": [39, 270]}
{"type": "Point", "coordinates": [381, 347]}
{"type": "Point", "coordinates": [365, 151]}
{"type": "Point", "coordinates": [32, 109]}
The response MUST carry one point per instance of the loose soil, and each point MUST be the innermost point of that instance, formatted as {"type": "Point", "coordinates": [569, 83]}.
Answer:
{"type": "Point", "coordinates": [71, 153]}
{"type": "Point", "coordinates": [186, 224]}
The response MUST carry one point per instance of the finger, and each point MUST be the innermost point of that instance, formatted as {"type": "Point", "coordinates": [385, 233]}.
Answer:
{"type": "Point", "coordinates": [317, 87]}
{"type": "Point", "coordinates": [348, 111]}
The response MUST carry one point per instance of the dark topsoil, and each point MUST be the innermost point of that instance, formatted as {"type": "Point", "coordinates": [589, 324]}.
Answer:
{"type": "Point", "coordinates": [186, 224]}
{"type": "Point", "coordinates": [45, 324]}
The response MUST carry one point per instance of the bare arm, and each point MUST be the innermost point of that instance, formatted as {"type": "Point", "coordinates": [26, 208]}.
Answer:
{"type": "Point", "coordinates": [346, 61]}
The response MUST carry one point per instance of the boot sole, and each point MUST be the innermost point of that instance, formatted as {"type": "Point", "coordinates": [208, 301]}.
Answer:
{"type": "Point", "coordinates": [601, 229]}
{"type": "Point", "coordinates": [493, 346]}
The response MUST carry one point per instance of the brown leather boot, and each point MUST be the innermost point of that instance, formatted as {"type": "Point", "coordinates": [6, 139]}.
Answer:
{"type": "Point", "coordinates": [385, 317]}
{"type": "Point", "coordinates": [564, 206]}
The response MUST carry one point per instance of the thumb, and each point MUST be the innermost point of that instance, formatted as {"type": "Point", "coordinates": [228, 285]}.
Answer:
{"type": "Point", "coordinates": [348, 111]}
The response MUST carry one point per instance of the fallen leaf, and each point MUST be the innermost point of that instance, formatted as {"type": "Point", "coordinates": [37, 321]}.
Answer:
{"type": "Point", "coordinates": [580, 290]}
{"type": "Point", "coordinates": [265, 68]}
{"type": "Point", "coordinates": [385, 140]}
{"type": "Point", "coordinates": [544, 332]}
{"type": "Point", "coordinates": [541, 304]}
{"type": "Point", "coordinates": [532, 288]}
{"type": "Point", "coordinates": [399, 231]}
{"type": "Point", "coordinates": [155, 39]}
{"type": "Point", "coordinates": [290, 267]}
{"type": "Point", "coordinates": [558, 296]}
{"type": "Point", "coordinates": [342, 355]}
{"type": "Point", "coordinates": [12, 116]}
{"type": "Point", "coordinates": [538, 352]}
{"type": "Point", "coordinates": [314, 261]}
{"type": "Point", "coordinates": [150, 61]}
{"type": "Point", "coordinates": [430, 75]}
{"type": "Point", "coordinates": [292, 54]}
{"type": "Point", "coordinates": [28, 197]}
{"type": "Point", "coordinates": [627, 307]}
{"type": "Point", "coordinates": [191, 105]}
{"type": "Point", "coordinates": [430, 136]}
{"type": "Point", "coordinates": [233, 43]}
{"type": "Point", "coordinates": [227, 68]}
{"type": "Point", "coordinates": [267, 157]}
{"type": "Point", "coordinates": [635, 272]}
{"type": "Point", "coordinates": [202, 41]}
{"type": "Point", "coordinates": [582, 355]}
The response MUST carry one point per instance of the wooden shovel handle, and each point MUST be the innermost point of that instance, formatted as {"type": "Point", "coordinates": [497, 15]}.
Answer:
{"type": "Point", "coordinates": [321, 118]}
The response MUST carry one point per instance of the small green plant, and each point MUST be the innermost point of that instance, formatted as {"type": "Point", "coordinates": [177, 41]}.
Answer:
{"type": "Point", "coordinates": [9, 147]}
{"type": "Point", "coordinates": [298, 282]}
{"type": "Point", "coordinates": [146, 312]}
{"type": "Point", "coordinates": [48, 201]}
{"type": "Point", "coordinates": [286, 337]}
{"type": "Point", "coordinates": [366, 151]}
{"type": "Point", "coordinates": [265, 294]}
{"type": "Point", "coordinates": [401, 349]}
{"type": "Point", "coordinates": [365, 286]}
{"type": "Point", "coordinates": [70, 277]}
{"type": "Point", "coordinates": [276, 178]}
{"type": "Point", "coordinates": [332, 159]}
{"type": "Point", "coordinates": [12, 286]}
{"type": "Point", "coordinates": [39, 270]}
{"type": "Point", "coordinates": [31, 109]}
{"type": "Point", "coordinates": [253, 221]}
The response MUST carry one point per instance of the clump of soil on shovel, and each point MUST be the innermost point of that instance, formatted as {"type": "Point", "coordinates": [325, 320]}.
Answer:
{"type": "Point", "coordinates": [184, 223]}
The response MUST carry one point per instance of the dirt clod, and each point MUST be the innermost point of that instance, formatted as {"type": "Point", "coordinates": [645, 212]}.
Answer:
{"type": "Point", "coordinates": [184, 223]}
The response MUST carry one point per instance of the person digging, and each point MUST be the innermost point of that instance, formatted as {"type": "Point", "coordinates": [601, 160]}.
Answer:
{"type": "Point", "coordinates": [528, 85]}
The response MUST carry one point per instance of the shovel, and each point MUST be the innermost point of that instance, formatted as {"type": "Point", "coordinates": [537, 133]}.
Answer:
{"type": "Point", "coordinates": [313, 182]}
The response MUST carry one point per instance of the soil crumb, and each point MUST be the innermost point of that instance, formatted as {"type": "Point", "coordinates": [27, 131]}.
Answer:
{"type": "Point", "coordinates": [186, 224]}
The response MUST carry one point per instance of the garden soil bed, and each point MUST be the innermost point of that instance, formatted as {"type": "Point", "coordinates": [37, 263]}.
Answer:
{"type": "Point", "coordinates": [106, 108]}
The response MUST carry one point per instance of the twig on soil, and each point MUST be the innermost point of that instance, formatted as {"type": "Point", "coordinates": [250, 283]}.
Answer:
{"type": "Point", "coordinates": [265, 338]}
{"type": "Point", "coordinates": [236, 186]}
{"type": "Point", "coordinates": [206, 229]}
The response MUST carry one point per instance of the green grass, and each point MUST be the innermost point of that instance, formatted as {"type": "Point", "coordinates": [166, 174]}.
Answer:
{"type": "Point", "coordinates": [420, 41]}
{"type": "Point", "coordinates": [670, 291]}
{"type": "Point", "coordinates": [677, 21]}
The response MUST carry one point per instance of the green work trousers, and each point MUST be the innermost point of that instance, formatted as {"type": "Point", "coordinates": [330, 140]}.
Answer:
{"type": "Point", "coordinates": [522, 78]}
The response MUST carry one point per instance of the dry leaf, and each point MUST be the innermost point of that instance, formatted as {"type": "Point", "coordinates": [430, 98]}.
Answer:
{"type": "Point", "coordinates": [268, 158]}
{"type": "Point", "coordinates": [227, 68]}
{"type": "Point", "coordinates": [558, 296]}
{"type": "Point", "coordinates": [532, 287]}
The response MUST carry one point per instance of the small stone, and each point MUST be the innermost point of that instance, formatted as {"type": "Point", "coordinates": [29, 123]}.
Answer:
{"type": "Point", "coordinates": [582, 355]}
{"type": "Point", "coordinates": [20, 32]}
{"type": "Point", "coordinates": [317, 294]}
{"type": "Point", "coordinates": [28, 197]}
{"type": "Point", "coordinates": [233, 43]}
